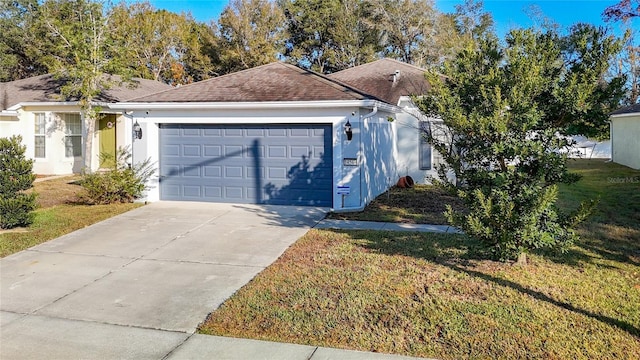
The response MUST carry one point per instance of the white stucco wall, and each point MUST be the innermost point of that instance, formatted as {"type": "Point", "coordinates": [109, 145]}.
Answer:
{"type": "Point", "coordinates": [408, 131]}
{"type": "Point", "coordinates": [376, 162]}
{"type": "Point", "coordinates": [625, 139]}
{"type": "Point", "coordinates": [55, 162]}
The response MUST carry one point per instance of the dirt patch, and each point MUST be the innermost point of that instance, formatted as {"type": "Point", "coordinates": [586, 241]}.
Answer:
{"type": "Point", "coordinates": [421, 204]}
{"type": "Point", "coordinates": [58, 191]}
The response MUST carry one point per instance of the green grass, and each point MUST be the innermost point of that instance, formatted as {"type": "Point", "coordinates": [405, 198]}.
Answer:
{"type": "Point", "coordinates": [55, 221]}
{"type": "Point", "coordinates": [435, 295]}
{"type": "Point", "coordinates": [59, 214]}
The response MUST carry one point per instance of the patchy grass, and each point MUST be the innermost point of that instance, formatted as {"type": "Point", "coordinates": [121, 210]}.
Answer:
{"type": "Point", "coordinates": [57, 215]}
{"type": "Point", "coordinates": [57, 191]}
{"type": "Point", "coordinates": [434, 295]}
{"type": "Point", "coordinates": [422, 204]}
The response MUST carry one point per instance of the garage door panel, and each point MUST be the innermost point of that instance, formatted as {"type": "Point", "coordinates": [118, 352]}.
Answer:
{"type": "Point", "coordinates": [236, 151]}
{"type": "Point", "coordinates": [191, 150]}
{"type": "Point", "coordinates": [271, 164]}
{"type": "Point", "coordinates": [300, 151]}
{"type": "Point", "coordinates": [212, 150]}
{"type": "Point", "coordinates": [212, 132]}
{"type": "Point", "coordinates": [233, 132]}
{"type": "Point", "coordinates": [194, 132]}
{"type": "Point", "coordinates": [213, 172]}
{"type": "Point", "coordinates": [213, 192]}
{"type": "Point", "coordinates": [277, 151]}
{"type": "Point", "coordinates": [272, 132]}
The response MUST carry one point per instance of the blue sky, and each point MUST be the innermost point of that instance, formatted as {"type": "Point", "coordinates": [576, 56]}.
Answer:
{"type": "Point", "coordinates": [506, 13]}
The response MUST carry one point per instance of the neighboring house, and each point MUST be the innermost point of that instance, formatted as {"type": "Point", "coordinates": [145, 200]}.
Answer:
{"type": "Point", "coordinates": [625, 136]}
{"type": "Point", "coordinates": [52, 127]}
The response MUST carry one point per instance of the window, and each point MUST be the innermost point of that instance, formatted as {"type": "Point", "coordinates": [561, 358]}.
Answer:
{"type": "Point", "coordinates": [73, 138]}
{"type": "Point", "coordinates": [424, 147]}
{"type": "Point", "coordinates": [40, 138]}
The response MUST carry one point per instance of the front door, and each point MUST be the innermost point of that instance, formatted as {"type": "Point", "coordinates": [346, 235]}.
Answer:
{"type": "Point", "coordinates": [107, 131]}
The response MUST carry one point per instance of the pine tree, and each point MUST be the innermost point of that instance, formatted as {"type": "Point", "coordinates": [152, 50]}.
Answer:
{"type": "Point", "coordinates": [16, 176]}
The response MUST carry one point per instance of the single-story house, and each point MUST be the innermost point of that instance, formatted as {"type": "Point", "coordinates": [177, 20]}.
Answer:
{"type": "Point", "coordinates": [279, 134]}
{"type": "Point", "coordinates": [625, 136]}
{"type": "Point", "coordinates": [52, 127]}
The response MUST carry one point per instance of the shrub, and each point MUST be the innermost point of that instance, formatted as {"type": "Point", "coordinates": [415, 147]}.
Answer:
{"type": "Point", "coordinates": [16, 175]}
{"type": "Point", "coordinates": [124, 183]}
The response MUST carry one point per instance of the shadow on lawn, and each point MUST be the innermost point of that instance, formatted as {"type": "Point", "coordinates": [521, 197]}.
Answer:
{"type": "Point", "coordinates": [598, 242]}
{"type": "Point", "coordinates": [458, 253]}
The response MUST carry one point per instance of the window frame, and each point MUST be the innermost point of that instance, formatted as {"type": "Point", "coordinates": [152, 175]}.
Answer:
{"type": "Point", "coordinates": [424, 146]}
{"type": "Point", "coordinates": [40, 136]}
{"type": "Point", "coordinates": [73, 141]}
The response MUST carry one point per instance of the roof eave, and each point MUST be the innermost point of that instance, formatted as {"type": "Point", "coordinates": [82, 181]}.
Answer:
{"type": "Point", "coordinates": [625, 114]}
{"type": "Point", "coordinates": [254, 105]}
{"type": "Point", "coordinates": [10, 113]}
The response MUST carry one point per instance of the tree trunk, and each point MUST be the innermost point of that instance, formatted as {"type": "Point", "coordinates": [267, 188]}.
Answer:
{"type": "Point", "coordinates": [90, 129]}
{"type": "Point", "coordinates": [522, 259]}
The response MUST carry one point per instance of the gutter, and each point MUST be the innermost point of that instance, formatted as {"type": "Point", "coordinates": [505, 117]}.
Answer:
{"type": "Point", "coordinates": [254, 105]}
{"type": "Point", "coordinates": [9, 113]}
{"type": "Point", "coordinates": [625, 115]}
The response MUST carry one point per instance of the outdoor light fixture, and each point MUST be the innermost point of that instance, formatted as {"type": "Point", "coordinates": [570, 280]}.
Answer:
{"type": "Point", "coordinates": [347, 130]}
{"type": "Point", "coordinates": [137, 131]}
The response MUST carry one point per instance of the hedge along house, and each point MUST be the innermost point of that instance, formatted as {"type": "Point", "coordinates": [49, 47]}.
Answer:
{"type": "Point", "coordinates": [625, 136]}
{"type": "Point", "coordinates": [274, 134]}
{"type": "Point", "coordinates": [52, 127]}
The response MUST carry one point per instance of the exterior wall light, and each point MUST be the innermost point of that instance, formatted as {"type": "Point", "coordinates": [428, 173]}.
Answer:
{"type": "Point", "coordinates": [137, 131]}
{"type": "Point", "coordinates": [348, 131]}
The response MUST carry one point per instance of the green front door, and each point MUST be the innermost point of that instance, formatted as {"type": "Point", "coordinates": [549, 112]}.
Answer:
{"type": "Point", "coordinates": [107, 129]}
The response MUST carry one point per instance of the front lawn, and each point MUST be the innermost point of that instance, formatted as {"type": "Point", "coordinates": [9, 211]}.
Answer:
{"type": "Point", "coordinates": [57, 215]}
{"type": "Point", "coordinates": [421, 204]}
{"type": "Point", "coordinates": [434, 295]}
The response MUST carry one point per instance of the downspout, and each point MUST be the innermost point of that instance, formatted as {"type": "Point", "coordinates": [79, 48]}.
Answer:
{"type": "Point", "coordinates": [610, 140]}
{"type": "Point", "coordinates": [361, 150]}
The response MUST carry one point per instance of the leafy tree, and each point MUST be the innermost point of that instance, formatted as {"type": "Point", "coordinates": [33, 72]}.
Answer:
{"type": "Point", "coordinates": [582, 99]}
{"type": "Point", "coordinates": [160, 45]}
{"type": "Point", "coordinates": [454, 32]}
{"type": "Point", "coordinates": [251, 33]}
{"type": "Point", "coordinates": [502, 106]}
{"type": "Point", "coordinates": [15, 176]}
{"type": "Point", "coordinates": [407, 29]}
{"type": "Point", "coordinates": [17, 58]}
{"type": "Point", "coordinates": [628, 63]}
{"type": "Point", "coordinates": [330, 35]}
{"type": "Point", "coordinates": [76, 46]}
{"type": "Point", "coordinates": [472, 21]}
{"type": "Point", "coordinates": [624, 10]}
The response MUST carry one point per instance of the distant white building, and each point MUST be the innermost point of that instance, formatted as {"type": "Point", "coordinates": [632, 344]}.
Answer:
{"type": "Point", "coordinates": [625, 136]}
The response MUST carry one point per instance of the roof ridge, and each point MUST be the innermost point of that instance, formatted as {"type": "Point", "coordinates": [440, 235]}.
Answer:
{"type": "Point", "coordinates": [401, 63]}
{"type": "Point", "coordinates": [336, 84]}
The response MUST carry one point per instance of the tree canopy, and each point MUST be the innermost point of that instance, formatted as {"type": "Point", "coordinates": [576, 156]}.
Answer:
{"type": "Point", "coordinates": [506, 109]}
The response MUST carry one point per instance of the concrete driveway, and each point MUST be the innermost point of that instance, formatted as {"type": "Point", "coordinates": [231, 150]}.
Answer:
{"type": "Point", "coordinates": [137, 285]}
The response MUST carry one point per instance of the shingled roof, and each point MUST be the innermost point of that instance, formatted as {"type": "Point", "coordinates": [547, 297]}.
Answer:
{"type": "Point", "coordinates": [272, 82]}
{"type": "Point", "coordinates": [46, 88]}
{"type": "Point", "coordinates": [627, 110]}
{"type": "Point", "coordinates": [379, 79]}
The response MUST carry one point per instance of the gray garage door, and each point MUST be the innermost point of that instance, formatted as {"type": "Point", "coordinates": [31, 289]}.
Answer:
{"type": "Point", "coordinates": [274, 164]}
